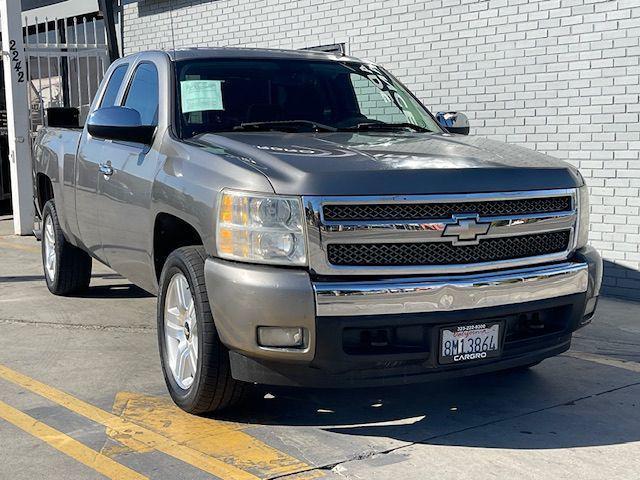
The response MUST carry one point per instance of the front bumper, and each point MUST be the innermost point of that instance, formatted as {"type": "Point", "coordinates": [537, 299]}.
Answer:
{"type": "Point", "coordinates": [442, 294]}
{"type": "Point", "coordinates": [244, 297]}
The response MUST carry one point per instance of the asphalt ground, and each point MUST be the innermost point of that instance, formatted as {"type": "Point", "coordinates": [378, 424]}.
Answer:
{"type": "Point", "coordinates": [82, 397]}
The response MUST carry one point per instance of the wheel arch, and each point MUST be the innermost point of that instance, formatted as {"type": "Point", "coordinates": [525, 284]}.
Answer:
{"type": "Point", "coordinates": [44, 191]}
{"type": "Point", "coordinates": [170, 233]}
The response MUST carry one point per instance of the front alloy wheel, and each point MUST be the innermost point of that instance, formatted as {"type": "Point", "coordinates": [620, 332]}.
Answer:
{"type": "Point", "coordinates": [181, 331]}
{"type": "Point", "coordinates": [195, 363]}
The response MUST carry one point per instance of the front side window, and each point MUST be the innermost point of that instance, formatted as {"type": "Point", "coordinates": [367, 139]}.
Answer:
{"type": "Point", "coordinates": [229, 95]}
{"type": "Point", "coordinates": [113, 87]}
{"type": "Point", "coordinates": [143, 93]}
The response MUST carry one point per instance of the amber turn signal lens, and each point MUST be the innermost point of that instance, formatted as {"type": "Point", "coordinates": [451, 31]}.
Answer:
{"type": "Point", "coordinates": [261, 228]}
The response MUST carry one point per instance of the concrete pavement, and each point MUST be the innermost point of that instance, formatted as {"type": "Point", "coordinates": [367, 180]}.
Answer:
{"type": "Point", "coordinates": [82, 396]}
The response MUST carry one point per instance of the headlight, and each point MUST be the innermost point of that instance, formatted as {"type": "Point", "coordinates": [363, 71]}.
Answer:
{"type": "Point", "coordinates": [260, 228]}
{"type": "Point", "coordinates": [583, 216]}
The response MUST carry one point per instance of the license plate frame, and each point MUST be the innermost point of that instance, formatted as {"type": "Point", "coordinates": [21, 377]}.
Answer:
{"type": "Point", "coordinates": [466, 331]}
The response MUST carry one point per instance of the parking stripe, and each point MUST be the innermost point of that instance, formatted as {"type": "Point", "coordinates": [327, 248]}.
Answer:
{"type": "Point", "coordinates": [224, 440]}
{"type": "Point", "coordinates": [136, 433]}
{"type": "Point", "coordinates": [67, 445]}
{"type": "Point", "coordinates": [603, 360]}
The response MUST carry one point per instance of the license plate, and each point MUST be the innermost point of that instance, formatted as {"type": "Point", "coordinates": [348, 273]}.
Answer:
{"type": "Point", "coordinates": [465, 343]}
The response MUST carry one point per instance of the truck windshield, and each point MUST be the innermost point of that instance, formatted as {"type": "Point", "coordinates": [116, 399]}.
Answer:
{"type": "Point", "coordinates": [293, 96]}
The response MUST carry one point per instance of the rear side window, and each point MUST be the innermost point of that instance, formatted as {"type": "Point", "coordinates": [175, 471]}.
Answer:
{"type": "Point", "coordinates": [143, 93]}
{"type": "Point", "coordinates": [113, 87]}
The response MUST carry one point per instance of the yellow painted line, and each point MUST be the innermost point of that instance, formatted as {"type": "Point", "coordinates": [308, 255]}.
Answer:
{"type": "Point", "coordinates": [150, 423]}
{"type": "Point", "coordinates": [604, 360]}
{"type": "Point", "coordinates": [17, 246]}
{"type": "Point", "coordinates": [219, 439]}
{"type": "Point", "coordinates": [135, 433]}
{"type": "Point", "coordinates": [67, 445]}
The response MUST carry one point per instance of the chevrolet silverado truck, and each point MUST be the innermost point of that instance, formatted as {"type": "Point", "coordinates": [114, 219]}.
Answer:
{"type": "Point", "coordinates": [305, 220]}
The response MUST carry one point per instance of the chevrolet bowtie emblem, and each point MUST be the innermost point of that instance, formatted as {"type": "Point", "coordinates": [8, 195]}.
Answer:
{"type": "Point", "coordinates": [466, 230]}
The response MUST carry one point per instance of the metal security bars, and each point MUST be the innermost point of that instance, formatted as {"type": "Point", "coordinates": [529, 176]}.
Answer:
{"type": "Point", "coordinates": [66, 60]}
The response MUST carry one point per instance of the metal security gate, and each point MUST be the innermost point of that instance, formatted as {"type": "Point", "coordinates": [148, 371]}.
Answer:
{"type": "Point", "coordinates": [65, 61]}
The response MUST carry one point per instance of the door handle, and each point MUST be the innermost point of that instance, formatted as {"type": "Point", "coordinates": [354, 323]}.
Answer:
{"type": "Point", "coordinates": [106, 169]}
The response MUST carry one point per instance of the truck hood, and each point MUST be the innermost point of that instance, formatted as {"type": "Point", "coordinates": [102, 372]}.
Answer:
{"type": "Point", "coordinates": [390, 164]}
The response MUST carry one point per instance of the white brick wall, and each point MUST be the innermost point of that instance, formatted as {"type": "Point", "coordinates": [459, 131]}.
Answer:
{"type": "Point", "coordinates": [558, 76]}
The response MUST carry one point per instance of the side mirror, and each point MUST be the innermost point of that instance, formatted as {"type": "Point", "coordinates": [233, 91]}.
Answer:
{"type": "Point", "coordinates": [119, 123]}
{"type": "Point", "coordinates": [453, 122]}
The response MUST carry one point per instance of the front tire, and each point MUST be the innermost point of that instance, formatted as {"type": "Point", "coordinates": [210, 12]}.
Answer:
{"type": "Point", "coordinates": [194, 362]}
{"type": "Point", "coordinates": [67, 269]}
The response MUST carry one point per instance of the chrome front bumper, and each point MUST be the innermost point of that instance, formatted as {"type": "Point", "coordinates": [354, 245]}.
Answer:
{"type": "Point", "coordinates": [244, 297]}
{"type": "Point", "coordinates": [462, 292]}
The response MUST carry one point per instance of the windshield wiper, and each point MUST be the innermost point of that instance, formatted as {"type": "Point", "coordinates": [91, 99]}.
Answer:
{"type": "Point", "coordinates": [286, 125]}
{"type": "Point", "coordinates": [362, 127]}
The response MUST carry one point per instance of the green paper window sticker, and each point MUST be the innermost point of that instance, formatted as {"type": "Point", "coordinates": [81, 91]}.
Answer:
{"type": "Point", "coordinates": [201, 95]}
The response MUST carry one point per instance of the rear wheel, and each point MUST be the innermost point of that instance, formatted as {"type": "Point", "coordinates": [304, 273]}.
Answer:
{"type": "Point", "coordinates": [67, 269]}
{"type": "Point", "coordinates": [194, 361]}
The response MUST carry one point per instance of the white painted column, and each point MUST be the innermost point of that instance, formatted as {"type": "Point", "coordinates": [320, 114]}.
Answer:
{"type": "Point", "coordinates": [16, 81]}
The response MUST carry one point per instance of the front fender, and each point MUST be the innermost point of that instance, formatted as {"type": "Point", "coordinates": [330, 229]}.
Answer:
{"type": "Point", "coordinates": [189, 181]}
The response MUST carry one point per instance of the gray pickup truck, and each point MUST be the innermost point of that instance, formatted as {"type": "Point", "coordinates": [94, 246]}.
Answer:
{"type": "Point", "coordinates": [304, 220]}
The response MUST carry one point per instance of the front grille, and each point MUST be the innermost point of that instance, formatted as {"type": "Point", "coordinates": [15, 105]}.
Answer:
{"type": "Point", "coordinates": [444, 210]}
{"type": "Point", "coordinates": [444, 253]}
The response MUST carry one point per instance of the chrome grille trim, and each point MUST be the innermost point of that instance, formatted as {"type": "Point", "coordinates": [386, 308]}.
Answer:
{"type": "Point", "coordinates": [323, 232]}
{"type": "Point", "coordinates": [380, 232]}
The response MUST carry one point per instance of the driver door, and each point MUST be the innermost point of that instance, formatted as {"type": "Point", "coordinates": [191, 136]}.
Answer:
{"type": "Point", "coordinates": [87, 172]}
{"type": "Point", "coordinates": [125, 194]}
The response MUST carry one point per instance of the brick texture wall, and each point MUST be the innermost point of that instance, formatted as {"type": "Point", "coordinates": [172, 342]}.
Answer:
{"type": "Point", "coordinates": [558, 76]}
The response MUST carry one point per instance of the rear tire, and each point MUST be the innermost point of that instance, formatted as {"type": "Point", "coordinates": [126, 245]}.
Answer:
{"type": "Point", "coordinates": [67, 269]}
{"type": "Point", "coordinates": [186, 330]}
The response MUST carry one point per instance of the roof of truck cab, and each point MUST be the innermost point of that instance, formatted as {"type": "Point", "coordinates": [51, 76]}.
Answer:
{"type": "Point", "coordinates": [246, 53]}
